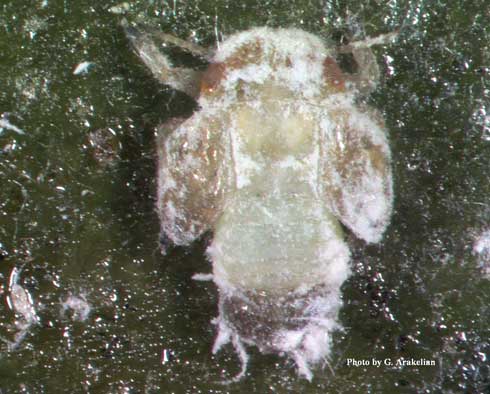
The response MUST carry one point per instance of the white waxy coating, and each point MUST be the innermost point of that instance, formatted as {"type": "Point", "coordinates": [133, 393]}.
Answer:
{"type": "Point", "coordinates": [291, 57]}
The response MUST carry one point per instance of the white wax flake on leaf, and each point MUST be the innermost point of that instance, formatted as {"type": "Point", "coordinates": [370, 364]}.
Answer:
{"type": "Point", "coordinates": [83, 68]}
{"type": "Point", "coordinates": [482, 243]}
{"type": "Point", "coordinates": [21, 302]}
{"type": "Point", "coordinates": [202, 277]}
{"type": "Point", "coordinates": [481, 249]}
{"type": "Point", "coordinates": [121, 8]}
{"type": "Point", "coordinates": [78, 305]}
{"type": "Point", "coordinates": [5, 124]}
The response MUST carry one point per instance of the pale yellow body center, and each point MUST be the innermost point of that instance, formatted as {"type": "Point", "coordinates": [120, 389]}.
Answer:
{"type": "Point", "coordinates": [275, 234]}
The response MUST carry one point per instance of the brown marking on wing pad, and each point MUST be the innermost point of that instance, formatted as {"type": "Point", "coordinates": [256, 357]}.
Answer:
{"type": "Point", "coordinates": [250, 53]}
{"type": "Point", "coordinates": [201, 204]}
{"type": "Point", "coordinates": [376, 155]}
{"type": "Point", "coordinates": [349, 157]}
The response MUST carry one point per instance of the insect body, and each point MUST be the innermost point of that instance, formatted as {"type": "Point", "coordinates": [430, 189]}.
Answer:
{"type": "Point", "coordinates": [277, 156]}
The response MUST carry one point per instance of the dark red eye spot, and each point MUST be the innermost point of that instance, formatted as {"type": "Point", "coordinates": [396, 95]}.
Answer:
{"type": "Point", "coordinates": [212, 77]}
{"type": "Point", "coordinates": [333, 74]}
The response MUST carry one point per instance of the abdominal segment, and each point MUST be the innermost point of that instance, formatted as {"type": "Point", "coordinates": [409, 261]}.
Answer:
{"type": "Point", "coordinates": [279, 260]}
{"type": "Point", "coordinates": [278, 240]}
